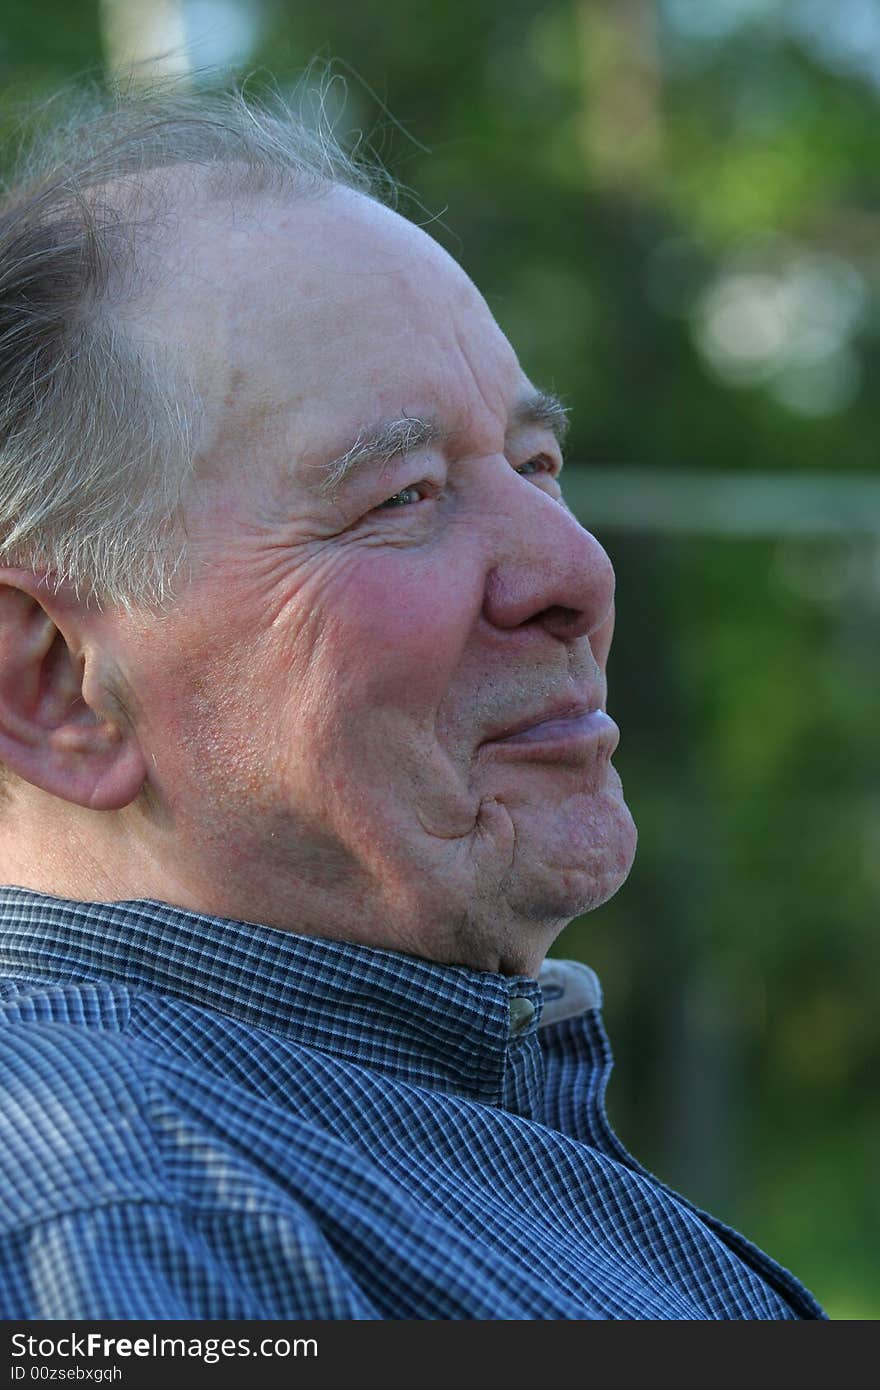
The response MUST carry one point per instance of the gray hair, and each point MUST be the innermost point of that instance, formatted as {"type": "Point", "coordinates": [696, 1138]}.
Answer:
{"type": "Point", "coordinates": [98, 429]}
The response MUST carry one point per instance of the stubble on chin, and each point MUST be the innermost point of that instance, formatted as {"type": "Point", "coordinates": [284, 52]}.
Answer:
{"type": "Point", "coordinates": [557, 865]}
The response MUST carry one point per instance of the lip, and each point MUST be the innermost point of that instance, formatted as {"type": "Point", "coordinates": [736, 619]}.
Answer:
{"type": "Point", "coordinates": [579, 731]}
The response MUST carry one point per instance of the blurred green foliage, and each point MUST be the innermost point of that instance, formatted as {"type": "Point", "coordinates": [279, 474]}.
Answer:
{"type": "Point", "coordinates": [673, 211]}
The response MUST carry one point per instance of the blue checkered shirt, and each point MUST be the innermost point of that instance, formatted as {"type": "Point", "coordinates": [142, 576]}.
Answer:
{"type": "Point", "coordinates": [203, 1119]}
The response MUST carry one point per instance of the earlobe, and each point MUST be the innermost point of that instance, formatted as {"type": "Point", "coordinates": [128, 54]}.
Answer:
{"type": "Point", "coordinates": [50, 734]}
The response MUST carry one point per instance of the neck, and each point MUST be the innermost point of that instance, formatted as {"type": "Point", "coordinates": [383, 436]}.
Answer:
{"type": "Point", "coordinates": [66, 851]}
{"type": "Point", "coordinates": [69, 851]}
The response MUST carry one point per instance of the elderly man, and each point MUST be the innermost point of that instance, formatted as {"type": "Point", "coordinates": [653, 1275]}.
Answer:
{"type": "Point", "coordinates": [307, 763]}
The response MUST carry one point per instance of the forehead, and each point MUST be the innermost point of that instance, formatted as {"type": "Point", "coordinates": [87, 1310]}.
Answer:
{"type": "Point", "coordinates": [305, 322]}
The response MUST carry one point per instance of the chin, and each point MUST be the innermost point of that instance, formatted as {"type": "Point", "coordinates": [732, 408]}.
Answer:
{"type": "Point", "coordinates": [582, 865]}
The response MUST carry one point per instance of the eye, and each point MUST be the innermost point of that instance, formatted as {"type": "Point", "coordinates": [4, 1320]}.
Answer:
{"type": "Point", "coordinates": [424, 490]}
{"type": "Point", "coordinates": [542, 463]}
{"type": "Point", "coordinates": [408, 496]}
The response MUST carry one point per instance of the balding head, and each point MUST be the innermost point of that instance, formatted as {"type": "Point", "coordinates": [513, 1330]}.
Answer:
{"type": "Point", "coordinates": [100, 418]}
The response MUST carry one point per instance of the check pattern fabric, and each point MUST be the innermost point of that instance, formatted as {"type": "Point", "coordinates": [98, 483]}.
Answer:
{"type": "Point", "coordinates": [206, 1119]}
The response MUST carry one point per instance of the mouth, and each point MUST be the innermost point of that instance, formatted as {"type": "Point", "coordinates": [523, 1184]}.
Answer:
{"type": "Point", "coordinates": [580, 735]}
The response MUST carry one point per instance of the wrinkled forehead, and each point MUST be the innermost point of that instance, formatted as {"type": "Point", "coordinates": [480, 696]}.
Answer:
{"type": "Point", "coordinates": [305, 319]}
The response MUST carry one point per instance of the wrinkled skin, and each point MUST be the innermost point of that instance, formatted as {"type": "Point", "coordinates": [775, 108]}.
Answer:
{"type": "Point", "coordinates": [312, 714]}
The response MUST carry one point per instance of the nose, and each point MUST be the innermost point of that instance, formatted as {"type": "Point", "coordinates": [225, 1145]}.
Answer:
{"type": "Point", "coordinates": [549, 571]}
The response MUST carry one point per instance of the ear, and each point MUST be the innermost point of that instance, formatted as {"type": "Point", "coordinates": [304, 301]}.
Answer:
{"type": "Point", "coordinates": [51, 734]}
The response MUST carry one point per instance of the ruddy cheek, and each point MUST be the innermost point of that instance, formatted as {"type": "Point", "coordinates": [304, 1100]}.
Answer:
{"type": "Point", "coordinates": [407, 616]}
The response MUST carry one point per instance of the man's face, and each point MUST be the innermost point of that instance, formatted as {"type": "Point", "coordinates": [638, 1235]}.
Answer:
{"type": "Point", "coordinates": [328, 710]}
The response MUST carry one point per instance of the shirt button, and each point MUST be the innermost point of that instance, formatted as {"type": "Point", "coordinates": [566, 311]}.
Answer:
{"type": "Point", "coordinates": [522, 1011]}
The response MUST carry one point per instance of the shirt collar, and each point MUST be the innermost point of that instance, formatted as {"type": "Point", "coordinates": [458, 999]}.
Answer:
{"type": "Point", "coordinates": [440, 1026]}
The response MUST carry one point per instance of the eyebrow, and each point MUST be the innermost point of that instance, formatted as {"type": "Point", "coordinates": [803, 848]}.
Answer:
{"type": "Point", "coordinates": [378, 445]}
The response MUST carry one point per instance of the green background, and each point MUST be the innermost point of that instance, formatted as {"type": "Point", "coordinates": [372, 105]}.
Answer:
{"type": "Point", "coordinates": [673, 210]}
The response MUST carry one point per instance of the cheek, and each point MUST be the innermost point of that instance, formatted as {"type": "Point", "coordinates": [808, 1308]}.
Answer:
{"type": "Point", "coordinates": [398, 630]}
{"type": "Point", "coordinates": [196, 675]}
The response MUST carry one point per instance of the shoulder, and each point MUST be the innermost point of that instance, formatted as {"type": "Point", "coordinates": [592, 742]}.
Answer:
{"type": "Point", "coordinates": [116, 1095]}
{"type": "Point", "coordinates": [102, 1088]}
{"type": "Point", "coordinates": [139, 1179]}
{"type": "Point", "coordinates": [74, 1129]}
